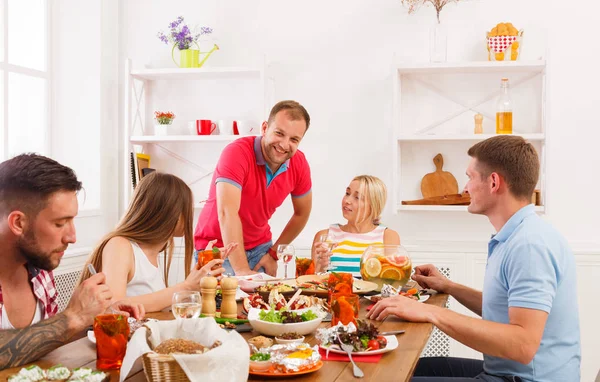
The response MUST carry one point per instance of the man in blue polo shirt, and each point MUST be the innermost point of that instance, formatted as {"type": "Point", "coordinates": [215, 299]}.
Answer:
{"type": "Point", "coordinates": [529, 326]}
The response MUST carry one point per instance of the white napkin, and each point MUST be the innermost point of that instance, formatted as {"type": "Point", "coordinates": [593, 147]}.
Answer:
{"type": "Point", "coordinates": [228, 362]}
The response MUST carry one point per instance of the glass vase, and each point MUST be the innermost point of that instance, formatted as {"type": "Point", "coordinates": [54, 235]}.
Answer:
{"type": "Point", "coordinates": [438, 38]}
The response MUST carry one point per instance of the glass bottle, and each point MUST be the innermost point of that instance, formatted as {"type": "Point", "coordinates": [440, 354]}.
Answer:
{"type": "Point", "coordinates": [504, 110]}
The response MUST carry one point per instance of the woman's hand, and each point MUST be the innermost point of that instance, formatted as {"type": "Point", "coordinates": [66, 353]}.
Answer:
{"type": "Point", "coordinates": [321, 257]}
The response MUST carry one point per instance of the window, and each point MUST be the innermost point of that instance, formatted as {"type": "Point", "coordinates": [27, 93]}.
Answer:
{"type": "Point", "coordinates": [24, 77]}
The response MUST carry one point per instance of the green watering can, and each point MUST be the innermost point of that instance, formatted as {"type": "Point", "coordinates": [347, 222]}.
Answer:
{"type": "Point", "coordinates": [190, 58]}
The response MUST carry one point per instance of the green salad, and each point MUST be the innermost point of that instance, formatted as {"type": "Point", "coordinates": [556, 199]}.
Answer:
{"type": "Point", "coordinates": [285, 317]}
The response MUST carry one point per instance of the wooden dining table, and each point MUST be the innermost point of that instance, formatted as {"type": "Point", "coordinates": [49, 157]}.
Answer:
{"type": "Point", "coordinates": [396, 365]}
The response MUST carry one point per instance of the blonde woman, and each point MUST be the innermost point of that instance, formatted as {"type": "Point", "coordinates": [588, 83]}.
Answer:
{"type": "Point", "coordinates": [161, 209]}
{"type": "Point", "coordinates": [362, 206]}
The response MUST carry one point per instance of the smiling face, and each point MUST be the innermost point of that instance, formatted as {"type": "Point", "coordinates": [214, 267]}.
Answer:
{"type": "Point", "coordinates": [355, 206]}
{"type": "Point", "coordinates": [280, 138]}
{"type": "Point", "coordinates": [46, 237]}
{"type": "Point", "coordinates": [479, 188]}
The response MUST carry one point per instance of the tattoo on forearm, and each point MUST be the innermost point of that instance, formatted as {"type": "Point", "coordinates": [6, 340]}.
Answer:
{"type": "Point", "coordinates": [21, 346]}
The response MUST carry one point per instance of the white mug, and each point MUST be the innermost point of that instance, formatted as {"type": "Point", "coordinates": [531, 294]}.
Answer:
{"type": "Point", "coordinates": [225, 127]}
{"type": "Point", "coordinates": [192, 128]}
{"type": "Point", "coordinates": [247, 128]}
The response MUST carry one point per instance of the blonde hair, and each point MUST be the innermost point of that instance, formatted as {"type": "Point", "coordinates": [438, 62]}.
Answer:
{"type": "Point", "coordinates": [375, 192]}
{"type": "Point", "coordinates": [158, 203]}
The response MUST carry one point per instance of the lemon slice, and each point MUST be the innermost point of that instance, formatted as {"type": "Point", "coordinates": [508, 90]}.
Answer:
{"type": "Point", "coordinates": [373, 267]}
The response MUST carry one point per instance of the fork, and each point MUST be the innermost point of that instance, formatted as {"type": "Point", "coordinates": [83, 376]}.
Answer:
{"type": "Point", "coordinates": [358, 373]}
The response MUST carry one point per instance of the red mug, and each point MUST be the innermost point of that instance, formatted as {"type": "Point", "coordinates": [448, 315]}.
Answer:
{"type": "Point", "coordinates": [205, 126]}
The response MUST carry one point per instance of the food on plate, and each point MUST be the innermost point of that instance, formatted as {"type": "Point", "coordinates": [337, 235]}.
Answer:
{"type": "Point", "coordinates": [254, 301]}
{"type": "Point", "coordinates": [288, 358]}
{"type": "Point", "coordinates": [183, 346]}
{"type": "Point", "coordinates": [261, 342]}
{"type": "Point", "coordinates": [363, 337]}
{"type": "Point", "coordinates": [277, 286]}
{"type": "Point", "coordinates": [278, 302]}
{"type": "Point", "coordinates": [286, 317]}
{"type": "Point", "coordinates": [58, 373]}
{"type": "Point", "coordinates": [290, 336]}
{"type": "Point", "coordinates": [390, 291]}
{"type": "Point", "coordinates": [227, 325]}
{"type": "Point", "coordinates": [315, 285]}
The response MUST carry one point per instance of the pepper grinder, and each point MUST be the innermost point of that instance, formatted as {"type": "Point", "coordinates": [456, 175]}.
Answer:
{"type": "Point", "coordinates": [478, 124]}
{"type": "Point", "coordinates": [208, 287]}
{"type": "Point", "coordinates": [228, 289]}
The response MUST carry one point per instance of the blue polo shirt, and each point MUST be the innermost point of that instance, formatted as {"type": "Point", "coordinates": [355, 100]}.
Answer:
{"type": "Point", "coordinates": [530, 265]}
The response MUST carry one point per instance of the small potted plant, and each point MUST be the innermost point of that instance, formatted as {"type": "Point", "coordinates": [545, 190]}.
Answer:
{"type": "Point", "coordinates": [163, 120]}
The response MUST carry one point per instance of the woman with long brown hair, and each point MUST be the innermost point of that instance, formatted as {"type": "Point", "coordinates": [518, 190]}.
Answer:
{"type": "Point", "coordinates": [161, 209]}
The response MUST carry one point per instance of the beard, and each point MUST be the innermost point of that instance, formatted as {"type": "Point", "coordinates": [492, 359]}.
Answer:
{"type": "Point", "coordinates": [29, 248]}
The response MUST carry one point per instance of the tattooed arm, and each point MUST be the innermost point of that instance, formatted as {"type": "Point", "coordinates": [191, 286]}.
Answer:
{"type": "Point", "coordinates": [21, 346]}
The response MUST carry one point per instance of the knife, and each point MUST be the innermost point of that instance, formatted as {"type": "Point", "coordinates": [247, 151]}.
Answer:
{"type": "Point", "coordinates": [391, 333]}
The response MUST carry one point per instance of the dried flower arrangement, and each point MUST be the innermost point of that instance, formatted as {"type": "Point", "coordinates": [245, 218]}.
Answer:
{"type": "Point", "coordinates": [414, 5]}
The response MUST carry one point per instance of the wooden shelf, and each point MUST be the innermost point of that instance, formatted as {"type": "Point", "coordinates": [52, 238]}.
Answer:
{"type": "Point", "coordinates": [182, 138]}
{"type": "Point", "coordinates": [402, 207]}
{"type": "Point", "coordinates": [194, 73]}
{"type": "Point", "coordinates": [473, 67]}
{"type": "Point", "coordinates": [462, 137]}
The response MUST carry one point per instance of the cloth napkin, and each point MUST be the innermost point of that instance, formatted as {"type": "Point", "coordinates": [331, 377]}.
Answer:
{"type": "Point", "coordinates": [344, 358]}
{"type": "Point", "coordinates": [228, 362]}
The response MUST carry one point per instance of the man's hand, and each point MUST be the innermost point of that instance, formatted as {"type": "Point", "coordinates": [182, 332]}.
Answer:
{"type": "Point", "coordinates": [429, 277]}
{"type": "Point", "coordinates": [269, 263]}
{"type": "Point", "coordinates": [127, 309]}
{"type": "Point", "coordinates": [89, 299]}
{"type": "Point", "coordinates": [400, 306]}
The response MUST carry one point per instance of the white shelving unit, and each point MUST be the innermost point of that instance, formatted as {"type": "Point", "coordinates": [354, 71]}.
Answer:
{"type": "Point", "coordinates": [433, 108]}
{"type": "Point", "coordinates": [215, 93]}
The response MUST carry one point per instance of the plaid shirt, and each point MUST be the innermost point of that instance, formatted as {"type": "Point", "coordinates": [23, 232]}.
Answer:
{"type": "Point", "coordinates": [44, 289]}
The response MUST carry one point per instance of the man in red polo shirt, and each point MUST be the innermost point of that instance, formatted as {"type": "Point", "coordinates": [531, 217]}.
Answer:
{"type": "Point", "coordinates": [253, 177]}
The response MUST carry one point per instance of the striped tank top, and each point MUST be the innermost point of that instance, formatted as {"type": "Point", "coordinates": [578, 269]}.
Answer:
{"type": "Point", "coordinates": [350, 247]}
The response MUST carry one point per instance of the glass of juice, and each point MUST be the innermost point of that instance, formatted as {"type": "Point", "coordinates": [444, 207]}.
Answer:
{"type": "Point", "coordinates": [344, 308]}
{"type": "Point", "coordinates": [304, 266]}
{"type": "Point", "coordinates": [386, 264]}
{"type": "Point", "coordinates": [204, 257]}
{"type": "Point", "coordinates": [186, 305]}
{"type": "Point", "coordinates": [339, 282]}
{"type": "Point", "coordinates": [112, 332]}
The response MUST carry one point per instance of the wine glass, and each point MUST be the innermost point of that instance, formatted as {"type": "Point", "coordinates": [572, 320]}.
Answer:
{"type": "Point", "coordinates": [287, 253]}
{"type": "Point", "coordinates": [186, 304]}
{"type": "Point", "coordinates": [329, 244]}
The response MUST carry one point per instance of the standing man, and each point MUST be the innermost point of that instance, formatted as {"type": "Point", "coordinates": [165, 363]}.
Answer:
{"type": "Point", "coordinates": [38, 202]}
{"type": "Point", "coordinates": [253, 177]}
{"type": "Point", "coordinates": [529, 326]}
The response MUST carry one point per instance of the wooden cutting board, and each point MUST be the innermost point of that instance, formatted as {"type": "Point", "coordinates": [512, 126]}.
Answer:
{"type": "Point", "coordinates": [438, 183]}
{"type": "Point", "coordinates": [450, 200]}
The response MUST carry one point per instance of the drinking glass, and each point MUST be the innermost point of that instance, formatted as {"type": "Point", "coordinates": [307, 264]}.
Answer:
{"type": "Point", "coordinates": [344, 308]}
{"type": "Point", "coordinates": [186, 305]}
{"type": "Point", "coordinates": [111, 331]}
{"type": "Point", "coordinates": [207, 255]}
{"type": "Point", "coordinates": [330, 245]}
{"type": "Point", "coordinates": [287, 253]}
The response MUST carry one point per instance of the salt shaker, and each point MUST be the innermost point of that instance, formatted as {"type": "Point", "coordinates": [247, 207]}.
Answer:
{"type": "Point", "coordinates": [228, 289]}
{"type": "Point", "coordinates": [208, 287]}
{"type": "Point", "coordinates": [478, 124]}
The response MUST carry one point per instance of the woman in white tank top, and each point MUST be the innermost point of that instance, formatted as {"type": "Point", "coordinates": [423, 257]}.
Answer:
{"type": "Point", "coordinates": [362, 205]}
{"type": "Point", "coordinates": [161, 209]}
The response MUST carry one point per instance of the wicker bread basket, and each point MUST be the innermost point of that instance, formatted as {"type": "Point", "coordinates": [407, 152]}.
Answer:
{"type": "Point", "coordinates": [161, 367]}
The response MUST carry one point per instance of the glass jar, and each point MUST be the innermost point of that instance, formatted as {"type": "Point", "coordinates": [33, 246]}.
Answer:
{"type": "Point", "coordinates": [386, 264]}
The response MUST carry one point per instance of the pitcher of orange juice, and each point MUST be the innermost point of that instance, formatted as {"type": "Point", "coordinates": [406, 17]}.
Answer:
{"type": "Point", "coordinates": [386, 264]}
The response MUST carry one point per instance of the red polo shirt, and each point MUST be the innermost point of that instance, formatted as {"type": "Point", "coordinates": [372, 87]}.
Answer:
{"type": "Point", "coordinates": [242, 164]}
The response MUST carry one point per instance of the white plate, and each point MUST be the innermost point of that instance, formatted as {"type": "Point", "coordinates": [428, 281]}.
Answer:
{"type": "Point", "coordinates": [240, 294]}
{"type": "Point", "coordinates": [275, 329]}
{"type": "Point", "coordinates": [423, 297]}
{"type": "Point", "coordinates": [392, 343]}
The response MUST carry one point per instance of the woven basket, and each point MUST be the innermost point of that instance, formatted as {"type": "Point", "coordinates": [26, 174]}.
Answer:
{"type": "Point", "coordinates": [162, 368]}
